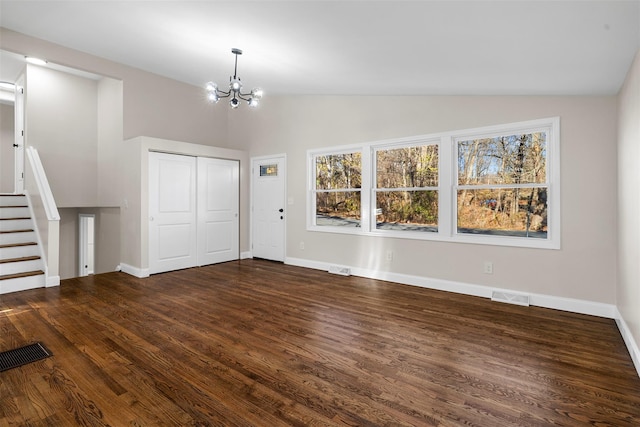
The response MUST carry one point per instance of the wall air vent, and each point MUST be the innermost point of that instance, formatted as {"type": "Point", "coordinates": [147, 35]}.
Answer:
{"type": "Point", "coordinates": [343, 271]}
{"type": "Point", "coordinates": [510, 298]}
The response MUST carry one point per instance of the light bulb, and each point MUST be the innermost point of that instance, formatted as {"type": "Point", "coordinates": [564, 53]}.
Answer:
{"type": "Point", "coordinates": [211, 87]}
{"type": "Point", "coordinates": [253, 102]}
{"type": "Point", "coordinates": [213, 97]}
{"type": "Point", "coordinates": [257, 93]}
{"type": "Point", "coordinates": [235, 85]}
{"type": "Point", "coordinates": [234, 103]}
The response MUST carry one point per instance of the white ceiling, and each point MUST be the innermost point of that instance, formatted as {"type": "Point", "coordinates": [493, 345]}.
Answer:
{"type": "Point", "coordinates": [355, 47]}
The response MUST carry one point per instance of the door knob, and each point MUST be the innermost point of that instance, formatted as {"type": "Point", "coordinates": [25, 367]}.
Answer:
{"type": "Point", "coordinates": [280, 210]}
{"type": "Point", "coordinates": [16, 145]}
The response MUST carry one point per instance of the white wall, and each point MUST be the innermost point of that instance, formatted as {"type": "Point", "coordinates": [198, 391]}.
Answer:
{"type": "Point", "coordinates": [628, 286]}
{"type": "Point", "coordinates": [7, 138]}
{"type": "Point", "coordinates": [584, 268]}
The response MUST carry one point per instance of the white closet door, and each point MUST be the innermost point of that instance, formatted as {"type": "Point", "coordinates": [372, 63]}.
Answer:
{"type": "Point", "coordinates": [172, 212]}
{"type": "Point", "coordinates": [218, 207]}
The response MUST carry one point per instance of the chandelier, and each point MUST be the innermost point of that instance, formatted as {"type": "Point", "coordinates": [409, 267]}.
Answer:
{"type": "Point", "coordinates": [235, 89]}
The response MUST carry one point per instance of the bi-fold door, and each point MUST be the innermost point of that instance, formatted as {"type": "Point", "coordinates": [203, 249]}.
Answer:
{"type": "Point", "coordinates": [193, 211]}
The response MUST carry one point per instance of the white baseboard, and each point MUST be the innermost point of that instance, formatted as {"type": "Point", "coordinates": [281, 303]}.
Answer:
{"type": "Point", "coordinates": [631, 344]}
{"type": "Point", "coordinates": [52, 281]}
{"type": "Point", "coordinates": [547, 301]}
{"type": "Point", "coordinates": [140, 273]}
{"type": "Point", "coordinates": [245, 255]}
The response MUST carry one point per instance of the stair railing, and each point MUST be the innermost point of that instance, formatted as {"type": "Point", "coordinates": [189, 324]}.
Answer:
{"type": "Point", "coordinates": [44, 214]}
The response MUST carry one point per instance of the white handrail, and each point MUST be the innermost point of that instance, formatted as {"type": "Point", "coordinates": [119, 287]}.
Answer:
{"type": "Point", "coordinates": [44, 189]}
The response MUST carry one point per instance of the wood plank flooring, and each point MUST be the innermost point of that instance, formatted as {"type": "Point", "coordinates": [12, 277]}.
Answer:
{"type": "Point", "coordinates": [255, 343]}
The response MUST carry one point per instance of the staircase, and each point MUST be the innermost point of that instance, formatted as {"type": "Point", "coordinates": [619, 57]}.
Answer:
{"type": "Point", "coordinates": [21, 266]}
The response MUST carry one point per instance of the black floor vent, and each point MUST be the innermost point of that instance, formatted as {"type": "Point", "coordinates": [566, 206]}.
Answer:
{"type": "Point", "coordinates": [23, 355]}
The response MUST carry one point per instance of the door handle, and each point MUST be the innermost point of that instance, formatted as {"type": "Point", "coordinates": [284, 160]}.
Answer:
{"type": "Point", "coordinates": [281, 217]}
{"type": "Point", "coordinates": [280, 210]}
{"type": "Point", "coordinates": [16, 145]}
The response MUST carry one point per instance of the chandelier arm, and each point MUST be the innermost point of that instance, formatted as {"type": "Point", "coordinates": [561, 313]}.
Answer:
{"type": "Point", "coordinates": [243, 95]}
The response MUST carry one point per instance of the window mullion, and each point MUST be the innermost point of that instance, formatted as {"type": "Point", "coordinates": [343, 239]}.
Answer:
{"type": "Point", "coordinates": [446, 168]}
{"type": "Point", "coordinates": [368, 183]}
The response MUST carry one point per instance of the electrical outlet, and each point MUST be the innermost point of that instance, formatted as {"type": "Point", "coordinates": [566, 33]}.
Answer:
{"type": "Point", "coordinates": [389, 256]}
{"type": "Point", "coordinates": [488, 267]}
{"type": "Point", "coordinates": [301, 245]}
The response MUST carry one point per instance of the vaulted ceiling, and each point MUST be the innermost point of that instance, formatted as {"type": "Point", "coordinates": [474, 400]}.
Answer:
{"type": "Point", "coordinates": [355, 47]}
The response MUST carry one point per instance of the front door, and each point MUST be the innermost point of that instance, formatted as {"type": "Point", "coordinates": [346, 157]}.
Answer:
{"type": "Point", "coordinates": [268, 208]}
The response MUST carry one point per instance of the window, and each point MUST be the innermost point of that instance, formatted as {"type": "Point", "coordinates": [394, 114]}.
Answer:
{"type": "Point", "coordinates": [502, 185]}
{"type": "Point", "coordinates": [406, 190]}
{"type": "Point", "coordinates": [338, 181]}
{"type": "Point", "coordinates": [269, 170]}
{"type": "Point", "coordinates": [495, 185]}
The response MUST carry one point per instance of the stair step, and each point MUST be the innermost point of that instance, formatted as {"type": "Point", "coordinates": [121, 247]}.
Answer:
{"type": "Point", "coordinates": [22, 283]}
{"type": "Point", "coordinates": [7, 224]}
{"type": "Point", "coordinates": [20, 264]}
{"type": "Point", "coordinates": [10, 212]}
{"type": "Point", "coordinates": [15, 245]}
{"type": "Point", "coordinates": [17, 250]}
{"type": "Point", "coordinates": [21, 259]}
{"type": "Point", "coordinates": [20, 275]}
{"type": "Point", "coordinates": [17, 236]}
{"type": "Point", "coordinates": [12, 200]}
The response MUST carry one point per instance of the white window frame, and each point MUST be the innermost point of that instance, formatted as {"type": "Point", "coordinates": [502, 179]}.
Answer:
{"type": "Point", "coordinates": [447, 185]}
{"type": "Point", "coordinates": [312, 191]}
{"type": "Point", "coordinates": [407, 143]}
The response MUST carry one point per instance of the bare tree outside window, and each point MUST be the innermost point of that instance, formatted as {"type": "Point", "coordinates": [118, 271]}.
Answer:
{"type": "Point", "coordinates": [338, 179]}
{"type": "Point", "coordinates": [502, 185]}
{"type": "Point", "coordinates": [407, 188]}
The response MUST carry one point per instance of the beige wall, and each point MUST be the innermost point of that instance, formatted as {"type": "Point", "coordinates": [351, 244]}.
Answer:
{"type": "Point", "coordinates": [584, 268]}
{"type": "Point", "coordinates": [109, 138]}
{"type": "Point", "coordinates": [628, 288]}
{"type": "Point", "coordinates": [7, 138]}
{"type": "Point", "coordinates": [107, 237]}
{"type": "Point", "coordinates": [61, 123]}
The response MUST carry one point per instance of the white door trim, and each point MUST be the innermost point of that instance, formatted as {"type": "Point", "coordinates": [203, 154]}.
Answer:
{"type": "Point", "coordinates": [19, 121]}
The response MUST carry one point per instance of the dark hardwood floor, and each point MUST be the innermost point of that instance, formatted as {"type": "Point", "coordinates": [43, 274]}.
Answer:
{"type": "Point", "coordinates": [255, 343]}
